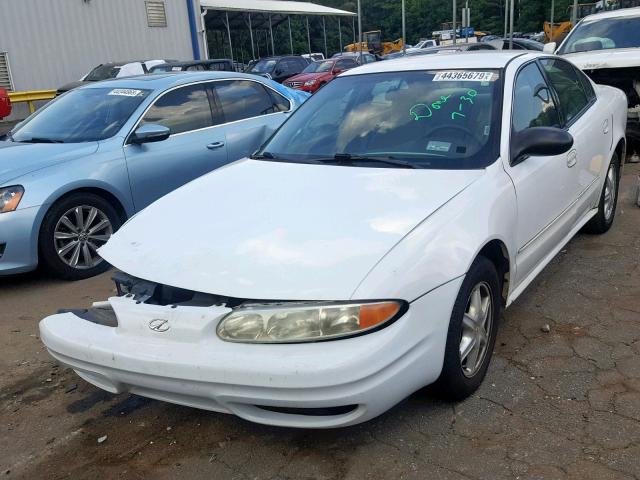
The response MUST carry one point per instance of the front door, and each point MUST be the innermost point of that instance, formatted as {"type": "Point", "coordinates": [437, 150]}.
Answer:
{"type": "Point", "coordinates": [544, 185]}
{"type": "Point", "coordinates": [196, 146]}
{"type": "Point", "coordinates": [587, 119]}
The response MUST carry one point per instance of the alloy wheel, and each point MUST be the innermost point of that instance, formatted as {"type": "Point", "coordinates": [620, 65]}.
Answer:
{"type": "Point", "coordinates": [476, 329]}
{"type": "Point", "coordinates": [610, 192]}
{"type": "Point", "coordinates": [78, 235]}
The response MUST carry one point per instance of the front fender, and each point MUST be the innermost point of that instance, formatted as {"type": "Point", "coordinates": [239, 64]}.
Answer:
{"type": "Point", "coordinates": [445, 244]}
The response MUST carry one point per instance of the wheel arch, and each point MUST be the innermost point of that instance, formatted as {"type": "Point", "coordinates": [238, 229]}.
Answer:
{"type": "Point", "coordinates": [496, 251]}
{"type": "Point", "coordinates": [621, 151]}
{"type": "Point", "coordinates": [98, 190]}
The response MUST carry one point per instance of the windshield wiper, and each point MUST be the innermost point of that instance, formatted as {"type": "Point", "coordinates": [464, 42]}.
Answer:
{"type": "Point", "coordinates": [350, 158]}
{"type": "Point", "coordinates": [41, 140]}
{"type": "Point", "coordinates": [262, 156]}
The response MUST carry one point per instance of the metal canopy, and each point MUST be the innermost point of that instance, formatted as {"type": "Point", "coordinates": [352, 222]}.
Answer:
{"type": "Point", "coordinates": [262, 15]}
{"type": "Point", "coordinates": [281, 7]}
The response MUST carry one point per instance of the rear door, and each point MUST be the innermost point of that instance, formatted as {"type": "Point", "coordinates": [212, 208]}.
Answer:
{"type": "Point", "coordinates": [251, 111]}
{"type": "Point", "coordinates": [588, 122]}
{"type": "Point", "coordinates": [195, 147]}
{"type": "Point", "coordinates": [544, 185]}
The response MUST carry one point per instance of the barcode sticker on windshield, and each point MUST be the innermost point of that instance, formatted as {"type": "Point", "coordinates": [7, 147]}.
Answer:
{"type": "Point", "coordinates": [464, 76]}
{"type": "Point", "coordinates": [125, 92]}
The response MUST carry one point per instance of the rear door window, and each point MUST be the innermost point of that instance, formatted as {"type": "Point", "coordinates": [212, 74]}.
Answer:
{"type": "Point", "coordinates": [565, 81]}
{"type": "Point", "coordinates": [241, 99]}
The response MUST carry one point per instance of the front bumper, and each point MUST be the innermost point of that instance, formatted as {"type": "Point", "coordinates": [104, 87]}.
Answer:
{"type": "Point", "coordinates": [19, 240]}
{"type": "Point", "coordinates": [352, 380]}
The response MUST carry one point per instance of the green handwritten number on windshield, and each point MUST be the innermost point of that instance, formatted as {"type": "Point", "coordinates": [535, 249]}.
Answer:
{"type": "Point", "coordinates": [437, 105]}
{"type": "Point", "coordinates": [471, 93]}
{"type": "Point", "coordinates": [419, 111]}
{"type": "Point", "coordinates": [422, 110]}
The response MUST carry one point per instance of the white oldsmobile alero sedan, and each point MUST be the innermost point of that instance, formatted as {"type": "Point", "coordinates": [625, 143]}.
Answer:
{"type": "Point", "coordinates": [364, 251]}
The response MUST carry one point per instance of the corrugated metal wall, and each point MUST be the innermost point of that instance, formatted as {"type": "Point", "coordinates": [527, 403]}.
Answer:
{"type": "Point", "coordinates": [52, 42]}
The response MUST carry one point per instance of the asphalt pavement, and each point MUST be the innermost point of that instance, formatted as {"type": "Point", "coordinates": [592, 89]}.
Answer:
{"type": "Point", "coordinates": [561, 399]}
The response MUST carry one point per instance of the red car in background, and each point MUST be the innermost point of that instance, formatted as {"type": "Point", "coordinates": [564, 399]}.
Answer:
{"type": "Point", "coordinates": [319, 73]}
{"type": "Point", "coordinates": [5, 103]}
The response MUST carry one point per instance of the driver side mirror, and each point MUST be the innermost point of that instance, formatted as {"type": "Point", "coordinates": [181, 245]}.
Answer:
{"type": "Point", "coordinates": [549, 47]}
{"type": "Point", "coordinates": [539, 141]}
{"type": "Point", "coordinates": [337, 71]}
{"type": "Point", "coordinates": [150, 132]}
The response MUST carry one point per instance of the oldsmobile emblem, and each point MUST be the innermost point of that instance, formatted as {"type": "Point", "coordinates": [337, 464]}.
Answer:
{"type": "Point", "coordinates": [159, 325]}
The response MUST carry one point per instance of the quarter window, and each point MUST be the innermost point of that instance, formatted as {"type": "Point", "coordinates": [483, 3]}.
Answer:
{"type": "Point", "coordinates": [182, 110]}
{"type": "Point", "coordinates": [533, 104]}
{"type": "Point", "coordinates": [242, 99]}
{"type": "Point", "coordinates": [564, 79]}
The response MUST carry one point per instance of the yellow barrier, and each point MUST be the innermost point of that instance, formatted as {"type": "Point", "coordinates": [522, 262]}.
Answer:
{"type": "Point", "coordinates": [32, 96]}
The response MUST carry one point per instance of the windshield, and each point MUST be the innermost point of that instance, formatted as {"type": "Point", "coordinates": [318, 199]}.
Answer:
{"type": "Point", "coordinates": [102, 72]}
{"type": "Point", "coordinates": [263, 66]}
{"type": "Point", "coordinates": [318, 67]}
{"type": "Point", "coordinates": [603, 34]}
{"type": "Point", "coordinates": [163, 68]}
{"type": "Point", "coordinates": [430, 119]}
{"type": "Point", "coordinates": [82, 115]}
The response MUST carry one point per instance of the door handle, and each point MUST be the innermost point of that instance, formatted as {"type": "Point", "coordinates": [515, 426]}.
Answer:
{"type": "Point", "coordinates": [214, 145]}
{"type": "Point", "coordinates": [605, 126]}
{"type": "Point", "coordinates": [572, 158]}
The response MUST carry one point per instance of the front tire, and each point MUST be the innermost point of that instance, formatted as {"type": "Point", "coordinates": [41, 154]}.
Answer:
{"type": "Point", "coordinates": [72, 231]}
{"type": "Point", "coordinates": [602, 221]}
{"type": "Point", "coordinates": [472, 332]}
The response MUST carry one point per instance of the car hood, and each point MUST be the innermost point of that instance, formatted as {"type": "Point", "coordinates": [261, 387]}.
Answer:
{"type": "Point", "coordinates": [609, 58]}
{"type": "Point", "coordinates": [304, 77]}
{"type": "Point", "coordinates": [270, 230]}
{"type": "Point", "coordinates": [18, 159]}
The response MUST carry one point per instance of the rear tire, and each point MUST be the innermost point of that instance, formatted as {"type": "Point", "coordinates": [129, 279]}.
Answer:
{"type": "Point", "coordinates": [71, 232]}
{"type": "Point", "coordinates": [472, 332]}
{"type": "Point", "coordinates": [602, 221]}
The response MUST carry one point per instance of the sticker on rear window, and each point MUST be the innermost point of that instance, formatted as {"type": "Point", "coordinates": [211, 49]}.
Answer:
{"type": "Point", "coordinates": [434, 146]}
{"type": "Point", "coordinates": [125, 92]}
{"type": "Point", "coordinates": [176, 69]}
{"type": "Point", "coordinates": [464, 76]}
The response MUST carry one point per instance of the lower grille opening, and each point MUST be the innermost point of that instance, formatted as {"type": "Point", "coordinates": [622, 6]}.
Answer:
{"type": "Point", "coordinates": [311, 412]}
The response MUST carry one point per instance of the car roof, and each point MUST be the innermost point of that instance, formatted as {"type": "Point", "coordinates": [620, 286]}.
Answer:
{"type": "Point", "coordinates": [462, 60]}
{"type": "Point", "coordinates": [161, 81]}
{"type": "Point", "coordinates": [193, 62]}
{"type": "Point", "coordinates": [620, 13]}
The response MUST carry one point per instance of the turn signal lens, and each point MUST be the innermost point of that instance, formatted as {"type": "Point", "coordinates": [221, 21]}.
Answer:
{"type": "Point", "coordinates": [306, 323]}
{"type": "Point", "coordinates": [10, 198]}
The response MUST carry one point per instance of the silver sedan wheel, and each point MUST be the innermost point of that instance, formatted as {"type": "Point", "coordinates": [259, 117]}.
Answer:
{"type": "Point", "coordinates": [476, 329]}
{"type": "Point", "coordinates": [610, 192]}
{"type": "Point", "coordinates": [78, 235]}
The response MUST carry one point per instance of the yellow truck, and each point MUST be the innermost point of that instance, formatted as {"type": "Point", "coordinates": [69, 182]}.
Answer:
{"type": "Point", "coordinates": [372, 43]}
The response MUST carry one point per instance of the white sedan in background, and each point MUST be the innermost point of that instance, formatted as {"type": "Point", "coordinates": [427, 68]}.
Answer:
{"type": "Point", "coordinates": [365, 251]}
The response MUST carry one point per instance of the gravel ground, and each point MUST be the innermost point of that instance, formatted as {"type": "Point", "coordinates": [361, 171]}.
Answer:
{"type": "Point", "coordinates": [562, 404]}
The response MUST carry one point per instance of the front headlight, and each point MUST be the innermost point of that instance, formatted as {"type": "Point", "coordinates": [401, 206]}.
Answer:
{"type": "Point", "coordinates": [10, 198]}
{"type": "Point", "coordinates": [310, 83]}
{"type": "Point", "coordinates": [307, 322]}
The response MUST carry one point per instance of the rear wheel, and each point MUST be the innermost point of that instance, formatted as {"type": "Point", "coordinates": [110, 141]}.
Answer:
{"type": "Point", "coordinates": [72, 231]}
{"type": "Point", "coordinates": [602, 221]}
{"type": "Point", "coordinates": [472, 332]}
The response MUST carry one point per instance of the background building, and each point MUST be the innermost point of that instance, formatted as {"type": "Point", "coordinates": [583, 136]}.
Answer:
{"type": "Point", "coordinates": [46, 43]}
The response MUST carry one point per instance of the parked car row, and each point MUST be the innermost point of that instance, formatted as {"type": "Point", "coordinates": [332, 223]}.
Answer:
{"type": "Point", "coordinates": [79, 167]}
{"type": "Point", "coordinates": [365, 250]}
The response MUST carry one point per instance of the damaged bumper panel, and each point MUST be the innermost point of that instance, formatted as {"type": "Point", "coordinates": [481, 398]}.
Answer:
{"type": "Point", "coordinates": [172, 353]}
